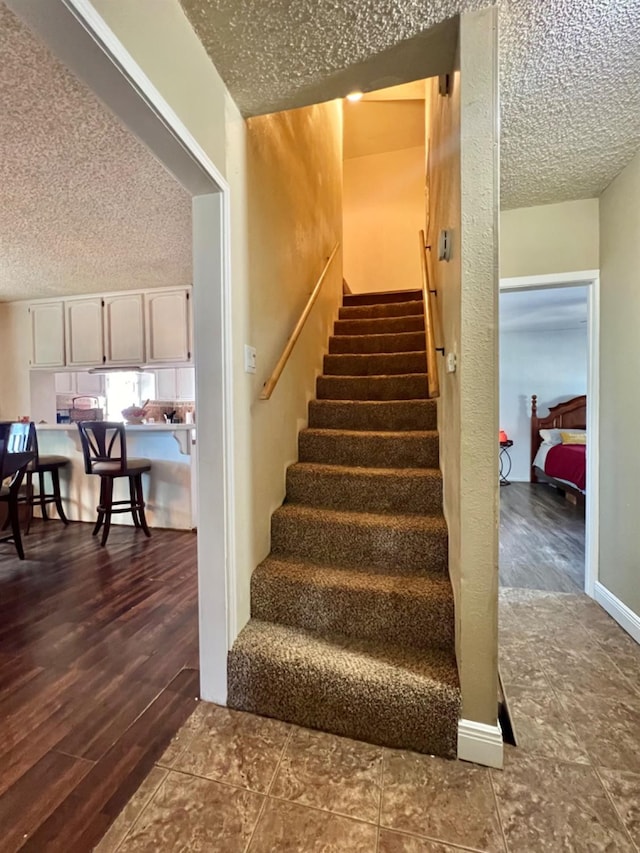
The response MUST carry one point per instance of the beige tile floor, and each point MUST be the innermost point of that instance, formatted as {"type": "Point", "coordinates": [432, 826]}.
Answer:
{"type": "Point", "coordinates": [235, 782]}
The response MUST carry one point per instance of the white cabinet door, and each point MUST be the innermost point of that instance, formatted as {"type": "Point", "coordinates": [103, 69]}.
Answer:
{"type": "Point", "coordinates": [65, 383]}
{"type": "Point", "coordinates": [185, 384]}
{"type": "Point", "coordinates": [91, 384]}
{"type": "Point", "coordinates": [47, 334]}
{"type": "Point", "coordinates": [166, 384]}
{"type": "Point", "coordinates": [84, 332]}
{"type": "Point", "coordinates": [168, 332]}
{"type": "Point", "coordinates": [124, 329]}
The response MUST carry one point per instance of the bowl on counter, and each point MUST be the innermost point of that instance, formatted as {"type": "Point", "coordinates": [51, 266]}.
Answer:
{"type": "Point", "coordinates": [134, 414]}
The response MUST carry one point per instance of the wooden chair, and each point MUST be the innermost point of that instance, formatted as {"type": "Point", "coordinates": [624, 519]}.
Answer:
{"type": "Point", "coordinates": [15, 457]}
{"type": "Point", "coordinates": [42, 465]}
{"type": "Point", "coordinates": [104, 446]}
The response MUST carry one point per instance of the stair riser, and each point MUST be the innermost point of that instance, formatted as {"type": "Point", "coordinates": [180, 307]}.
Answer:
{"type": "Point", "coordinates": [372, 312]}
{"type": "Point", "coordinates": [382, 298]}
{"type": "Point", "coordinates": [365, 415]}
{"type": "Point", "coordinates": [385, 326]}
{"type": "Point", "coordinates": [369, 450]}
{"type": "Point", "coordinates": [411, 387]}
{"type": "Point", "coordinates": [377, 548]}
{"type": "Point", "coordinates": [365, 492]}
{"type": "Point", "coordinates": [290, 691]}
{"type": "Point", "coordinates": [375, 365]}
{"type": "Point", "coordinates": [406, 342]}
{"type": "Point", "coordinates": [405, 620]}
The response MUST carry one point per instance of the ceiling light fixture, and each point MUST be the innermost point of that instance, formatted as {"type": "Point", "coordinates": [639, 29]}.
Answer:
{"type": "Point", "coordinates": [354, 96]}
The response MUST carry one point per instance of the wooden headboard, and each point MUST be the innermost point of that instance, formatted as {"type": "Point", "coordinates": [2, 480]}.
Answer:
{"type": "Point", "coordinates": [572, 413]}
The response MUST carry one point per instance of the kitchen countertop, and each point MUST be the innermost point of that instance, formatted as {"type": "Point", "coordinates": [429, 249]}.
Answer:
{"type": "Point", "coordinates": [158, 427]}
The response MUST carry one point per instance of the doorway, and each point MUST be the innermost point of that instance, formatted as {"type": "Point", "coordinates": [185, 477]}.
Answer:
{"type": "Point", "coordinates": [549, 341]}
{"type": "Point", "coordinates": [80, 39]}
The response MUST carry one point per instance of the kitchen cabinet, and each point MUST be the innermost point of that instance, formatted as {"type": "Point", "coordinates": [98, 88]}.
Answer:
{"type": "Point", "coordinates": [84, 335]}
{"type": "Point", "coordinates": [185, 384]}
{"type": "Point", "coordinates": [166, 384]}
{"type": "Point", "coordinates": [176, 384]}
{"type": "Point", "coordinates": [123, 318]}
{"type": "Point", "coordinates": [47, 334]}
{"type": "Point", "coordinates": [90, 384]}
{"type": "Point", "coordinates": [82, 383]}
{"type": "Point", "coordinates": [168, 326]}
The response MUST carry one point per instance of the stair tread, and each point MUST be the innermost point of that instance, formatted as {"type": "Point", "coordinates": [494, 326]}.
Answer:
{"type": "Point", "coordinates": [433, 523]}
{"type": "Point", "coordinates": [366, 434]}
{"type": "Point", "coordinates": [296, 570]}
{"type": "Point", "coordinates": [340, 377]}
{"type": "Point", "coordinates": [366, 470]}
{"type": "Point", "coordinates": [373, 661]}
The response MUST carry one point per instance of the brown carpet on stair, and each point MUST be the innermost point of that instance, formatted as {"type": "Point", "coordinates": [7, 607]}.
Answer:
{"type": "Point", "coordinates": [352, 627]}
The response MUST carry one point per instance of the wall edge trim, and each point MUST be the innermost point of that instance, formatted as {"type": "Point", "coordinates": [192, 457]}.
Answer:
{"type": "Point", "coordinates": [480, 743]}
{"type": "Point", "coordinates": [618, 610]}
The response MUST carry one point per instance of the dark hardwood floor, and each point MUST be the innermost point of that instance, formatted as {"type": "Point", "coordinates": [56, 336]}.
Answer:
{"type": "Point", "coordinates": [541, 539]}
{"type": "Point", "coordinates": [98, 670]}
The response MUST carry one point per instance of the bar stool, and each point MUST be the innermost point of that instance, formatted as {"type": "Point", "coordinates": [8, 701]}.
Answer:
{"type": "Point", "coordinates": [104, 446]}
{"type": "Point", "coordinates": [15, 457]}
{"type": "Point", "coordinates": [41, 465]}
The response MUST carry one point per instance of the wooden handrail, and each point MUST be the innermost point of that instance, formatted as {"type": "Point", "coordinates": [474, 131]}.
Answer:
{"type": "Point", "coordinates": [433, 380]}
{"type": "Point", "coordinates": [272, 381]}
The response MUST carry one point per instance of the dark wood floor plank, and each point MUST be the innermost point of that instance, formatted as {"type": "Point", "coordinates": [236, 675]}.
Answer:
{"type": "Point", "coordinates": [542, 539]}
{"type": "Point", "coordinates": [21, 813]}
{"type": "Point", "coordinates": [90, 640]}
{"type": "Point", "coordinates": [86, 813]}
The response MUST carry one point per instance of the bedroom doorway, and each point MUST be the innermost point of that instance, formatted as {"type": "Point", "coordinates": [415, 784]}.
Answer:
{"type": "Point", "coordinates": [548, 351]}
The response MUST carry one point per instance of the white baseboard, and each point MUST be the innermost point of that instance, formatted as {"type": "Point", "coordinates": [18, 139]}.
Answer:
{"type": "Point", "coordinates": [480, 743]}
{"type": "Point", "coordinates": [624, 616]}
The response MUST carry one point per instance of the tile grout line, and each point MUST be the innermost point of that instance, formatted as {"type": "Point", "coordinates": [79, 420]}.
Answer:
{"type": "Point", "coordinates": [142, 810]}
{"type": "Point", "coordinates": [498, 814]}
{"type": "Point", "coordinates": [615, 808]}
{"type": "Point", "coordinates": [265, 795]}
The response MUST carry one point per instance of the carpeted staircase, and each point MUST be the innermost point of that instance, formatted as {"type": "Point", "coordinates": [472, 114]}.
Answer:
{"type": "Point", "coordinates": [352, 627]}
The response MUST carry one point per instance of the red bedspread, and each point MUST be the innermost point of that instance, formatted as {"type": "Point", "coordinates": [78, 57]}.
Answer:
{"type": "Point", "coordinates": [568, 462]}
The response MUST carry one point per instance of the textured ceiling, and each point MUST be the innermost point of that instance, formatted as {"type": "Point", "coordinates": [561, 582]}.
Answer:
{"type": "Point", "coordinates": [549, 309]}
{"type": "Point", "coordinates": [570, 74]}
{"type": "Point", "coordinates": [84, 206]}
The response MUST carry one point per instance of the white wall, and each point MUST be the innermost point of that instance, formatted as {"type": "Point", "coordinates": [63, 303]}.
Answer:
{"type": "Point", "coordinates": [15, 387]}
{"type": "Point", "coordinates": [551, 364]}
{"type": "Point", "coordinates": [619, 392]}
{"type": "Point", "coordinates": [549, 238]}
{"type": "Point", "coordinates": [383, 212]}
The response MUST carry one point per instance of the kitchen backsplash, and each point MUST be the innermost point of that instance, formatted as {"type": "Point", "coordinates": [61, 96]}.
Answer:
{"type": "Point", "coordinates": [156, 409]}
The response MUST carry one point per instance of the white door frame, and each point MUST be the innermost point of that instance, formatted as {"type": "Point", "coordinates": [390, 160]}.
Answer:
{"type": "Point", "coordinates": [79, 37]}
{"type": "Point", "coordinates": [591, 279]}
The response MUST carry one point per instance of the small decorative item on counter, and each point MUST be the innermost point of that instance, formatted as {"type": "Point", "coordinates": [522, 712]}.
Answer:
{"type": "Point", "coordinates": [134, 414]}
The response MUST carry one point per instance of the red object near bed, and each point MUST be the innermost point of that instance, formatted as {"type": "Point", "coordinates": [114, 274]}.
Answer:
{"type": "Point", "coordinates": [568, 462]}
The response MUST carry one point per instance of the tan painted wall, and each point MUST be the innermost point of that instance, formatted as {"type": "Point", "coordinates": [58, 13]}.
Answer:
{"type": "Point", "coordinates": [383, 211]}
{"type": "Point", "coordinates": [549, 238]}
{"type": "Point", "coordinates": [15, 393]}
{"type": "Point", "coordinates": [294, 215]}
{"type": "Point", "coordinates": [464, 198]}
{"type": "Point", "coordinates": [285, 176]}
{"type": "Point", "coordinates": [619, 398]}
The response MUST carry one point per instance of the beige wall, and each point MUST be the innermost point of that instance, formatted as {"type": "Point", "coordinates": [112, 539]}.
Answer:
{"type": "Point", "coordinates": [464, 152]}
{"type": "Point", "coordinates": [285, 177]}
{"type": "Point", "coordinates": [15, 391]}
{"type": "Point", "coordinates": [294, 215]}
{"type": "Point", "coordinates": [619, 397]}
{"type": "Point", "coordinates": [383, 211]}
{"type": "Point", "coordinates": [550, 238]}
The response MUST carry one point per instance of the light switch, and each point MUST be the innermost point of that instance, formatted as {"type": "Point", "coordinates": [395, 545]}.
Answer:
{"type": "Point", "coordinates": [249, 359]}
{"type": "Point", "coordinates": [452, 362]}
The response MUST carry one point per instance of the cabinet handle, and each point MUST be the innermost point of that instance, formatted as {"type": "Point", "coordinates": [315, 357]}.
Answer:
{"type": "Point", "coordinates": [104, 358]}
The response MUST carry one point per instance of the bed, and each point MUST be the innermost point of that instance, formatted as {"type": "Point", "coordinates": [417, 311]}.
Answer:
{"type": "Point", "coordinates": [562, 465]}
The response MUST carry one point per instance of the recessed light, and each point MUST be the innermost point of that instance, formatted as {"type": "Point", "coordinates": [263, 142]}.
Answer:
{"type": "Point", "coordinates": [354, 96]}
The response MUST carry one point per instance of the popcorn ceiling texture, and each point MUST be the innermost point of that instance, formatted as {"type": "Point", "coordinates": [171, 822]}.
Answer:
{"type": "Point", "coordinates": [570, 74]}
{"type": "Point", "coordinates": [85, 206]}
